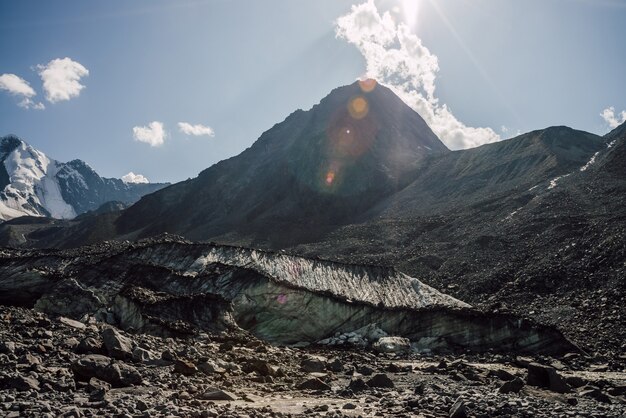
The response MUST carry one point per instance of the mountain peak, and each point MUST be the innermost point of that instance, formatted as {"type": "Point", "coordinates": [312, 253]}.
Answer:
{"type": "Point", "coordinates": [33, 184]}
{"type": "Point", "coordinates": [8, 143]}
{"type": "Point", "coordinates": [326, 165]}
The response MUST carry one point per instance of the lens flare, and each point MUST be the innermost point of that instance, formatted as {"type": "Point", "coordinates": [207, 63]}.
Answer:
{"type": "Point", "coordinates": [330, 177]}
{"type": "Point", "coordinates": [358, 107]}
{"type": "Point", "coordinates": [367, 85]}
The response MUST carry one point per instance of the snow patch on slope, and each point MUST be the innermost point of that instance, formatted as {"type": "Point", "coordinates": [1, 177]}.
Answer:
{"type": "Point", "coordinates": [555, 180]}
{"type": "Point", "coordinates": [590, 162]}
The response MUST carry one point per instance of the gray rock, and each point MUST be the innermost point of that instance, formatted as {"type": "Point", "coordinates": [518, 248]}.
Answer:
{"type": "Point", "coordinates": [7, 347]}
{"type": "Point", "coordinates": [101, 367]}
{"type": "Point", "coordinates": [72, 323]}
{"type": "Point", "coordinates": [357, 384]}
{"type": "Point", "coordinates": [458, 409]}
{"type": "Point", "coordinates": [89, 345]}
{"type": "Point", "coordinates": [512, 386]}
{"type": "Point", "coordinates": [141, 355]}
{"type": "Point", "coordinates": [209, 367]}
{"type": "Point", "coordinates": [95, 384]}
{"type": "Point", "coordinates": [218, 395]}
{"type": "Point", "coordinates": [117, 345]}
{"type": "Point", "coordinates": [313, 384]}
{"type": "Point", "coordinates": [380, 380]}
{"type": "Point", "coordinates": [23, 383]}
{"type": "Point", "coordinates": [335, 365]}
{"type": "Point", "coordinates": [185, 367]}
{"type": "Point", "coordinates": [502, 375]}
{"type": "Point", "coordinates": [575, 381]}
{"type": "Point", "coordinates": [313, 364]}
{"type": "Point", "coordinates": [546, 377]}
{"type": "Point", "coordinates": [261, 367]}
{"type": "Point", "coordinates": [596, 394]}
{"type": "Point", "coordinates": [365, 370]}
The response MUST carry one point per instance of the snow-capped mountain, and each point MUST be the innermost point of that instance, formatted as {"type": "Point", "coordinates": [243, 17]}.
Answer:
{"type": "Point", "coordinates": [32, 184]}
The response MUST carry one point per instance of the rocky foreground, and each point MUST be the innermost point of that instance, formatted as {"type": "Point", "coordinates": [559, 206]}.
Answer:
{"type": "Point", "coordinates": [55, 366]}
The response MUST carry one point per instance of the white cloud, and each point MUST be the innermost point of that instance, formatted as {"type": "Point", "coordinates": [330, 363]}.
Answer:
{"type": "Point", "coordinates": [61, 79]}
{"type": "Point", "coordinates": [16, 85]}
{"type": "Point", "coordinates": [397, 58]}
{"type": "Point", "coordinates": [153, 134]}
{"type": "Point", "coordinates": [19, 87]}
{"type": "Point", "coordinates": [195, 130]}
{"type": "Point", "coordinates": [134, 178]}
{"type": "Point", "coordinates": [611, 119]}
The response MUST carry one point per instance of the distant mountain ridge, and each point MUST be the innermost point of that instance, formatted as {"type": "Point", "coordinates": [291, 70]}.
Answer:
{"type": "Point", "coordinates": [32, 184]}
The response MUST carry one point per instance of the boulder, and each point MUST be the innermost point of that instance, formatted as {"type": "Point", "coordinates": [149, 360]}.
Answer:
{"type": "Point", "coordinates": [458, 409]}
{"type": "Point", "coordinates": [218, 395]}
{"type": "Point", "coordinates": [96, 384]}
{"type": "Point", "coordinates": [261, 367]}
{"type": "Point", "coordinates": [117, 345]}
{"type": "Point", "coordinates": [595, 393]}
{"type": "Point", "coordinates": [512, 386]}
{"type": "Point", "coordinates": [365, 370]}
{"type": "Point", "coordinates": [335, 365]}
{"type": "Point", "coordinates": [72, 323]}
{"type": "Point", "coordinates": [502, 375]}
{"type": "Point", "coordinates": [185, 367]}
{"type": "Point", "coordinates": [209, 367]}
{"type": "Point", "coordinates": [313, 364]}
{"type": "Point", "coordinates": [23, 383]}
{"type": "Point", "coordinates": [380, 380]}
{"type": "Point", "coordinates": [357, 384]}
{"type": "Point", "coordinates": [103, 368]}
{"type": "Point", "coordinates": [7, 347]}
{"type": "Point", "coordinates": [313, 384]}
{"type": "Point", "coordinates": [546, 377]}
{"type": "Point", "coordinates": [141, 355]}
{"type": "Point", "coordinates": [89, 345]}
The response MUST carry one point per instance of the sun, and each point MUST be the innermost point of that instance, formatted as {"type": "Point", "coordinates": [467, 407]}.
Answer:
{"type": "Point", "coordinates": [410, 9]}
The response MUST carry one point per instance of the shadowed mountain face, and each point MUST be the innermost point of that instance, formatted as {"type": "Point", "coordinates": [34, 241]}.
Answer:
{"type": "Point", "coordinates": [315, 170]}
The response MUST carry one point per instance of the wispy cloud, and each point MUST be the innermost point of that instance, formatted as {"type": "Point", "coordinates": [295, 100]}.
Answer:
{"type": "Point", "coordinates": [611, 118]}
{"type": "Point", "coordinates": [134, 178]}
{"type": "Point", "coordinates": [154, 134]}
{"type": "Point", "coordinates": [195, 130]}
{"type": "Point", "coordinates": [397, 58]}
{"type": "Point", "coordinates": [19, 87]}
{"type": "Point", "coordinates": [61, 79]}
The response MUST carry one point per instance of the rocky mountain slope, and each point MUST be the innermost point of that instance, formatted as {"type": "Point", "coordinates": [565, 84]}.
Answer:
{"type": "Point", "coordinates": [313, 171]}
{"type": "Point", "coordinates": [552, 248]}
{"type": "Point", "coordinates": [32, 184]}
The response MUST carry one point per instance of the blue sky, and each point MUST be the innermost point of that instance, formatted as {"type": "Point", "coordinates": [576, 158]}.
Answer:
{"type": "Point", "coordinates": [240, 66]}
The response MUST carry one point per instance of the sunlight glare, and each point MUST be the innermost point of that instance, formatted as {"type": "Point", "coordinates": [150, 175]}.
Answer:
{"type": "Point", "coordinates": [411, 11]}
